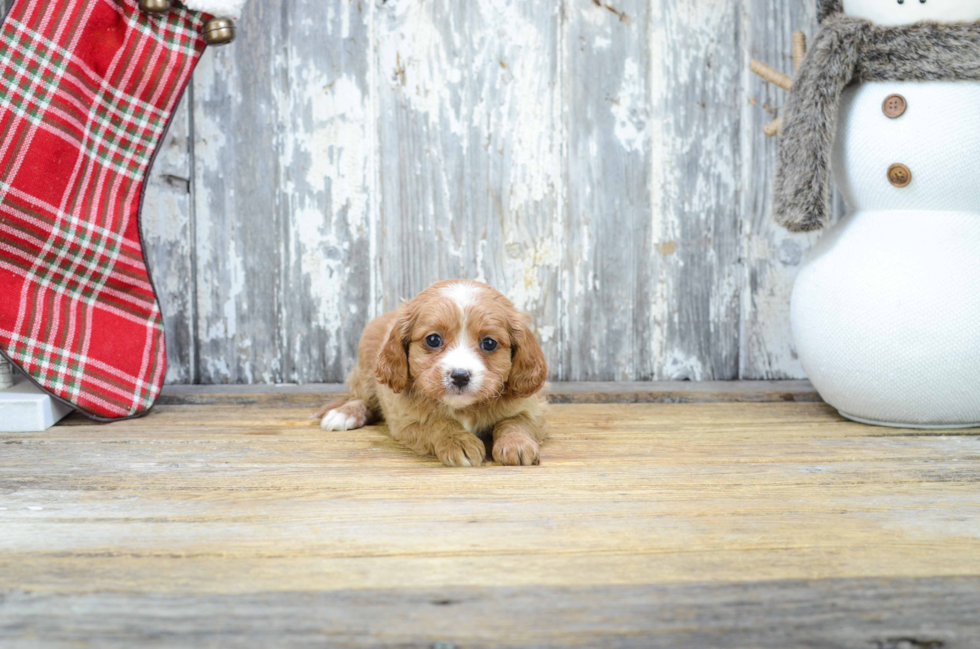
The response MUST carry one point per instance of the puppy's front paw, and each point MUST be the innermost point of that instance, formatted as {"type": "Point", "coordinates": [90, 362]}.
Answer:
{"type": "Point", "coordinates": [516, 449]}
{"type": "Point", "coordinates": [462, 450]}
{"type": "Point", "coordinates": [336, 420]}
{"type": "Point", "coordinates": [351, 415]}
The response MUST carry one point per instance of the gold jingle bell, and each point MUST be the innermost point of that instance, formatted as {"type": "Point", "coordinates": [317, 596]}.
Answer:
{"type": "Point", "coordinates": [219, 31]}
{"type": "Point", "coordinates": [156, 6]}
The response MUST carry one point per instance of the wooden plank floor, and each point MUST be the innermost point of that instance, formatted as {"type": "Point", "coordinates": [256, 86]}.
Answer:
{"type": "Point", "coordinates": [647, 525]}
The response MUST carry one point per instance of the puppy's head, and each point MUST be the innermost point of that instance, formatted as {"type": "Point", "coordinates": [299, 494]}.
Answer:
{"type": "Point", "coordinates": [462, 343]}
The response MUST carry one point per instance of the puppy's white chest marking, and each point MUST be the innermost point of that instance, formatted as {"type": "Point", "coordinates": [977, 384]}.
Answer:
{"type": "Point", "coordinates": [472, 425]}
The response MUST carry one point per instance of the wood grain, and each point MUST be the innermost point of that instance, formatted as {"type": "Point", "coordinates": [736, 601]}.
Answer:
{"type": "Point", "coordinates": [314, 396]}
{"type": "Point", "coordinates": [326, 198]}
{"type": "Point", "coordinates": [239, 217]}
{"type": "Point", "coordinates": [773, 256]}
{"type": "Point", "coordinates": [469, 150]}
{"type": "Point", "coordinates": [695, 182]}
{"type": "Point", "coordinates": [603, 163]}
{"type": "Point", "coordinates": [606, 275]}
{"type": "Point", "coordinates": [936, 613]}
{"type": "Point", "coordinates": [735, 525]}
{"type": "Point", "coordinates": [600, 161]}
{"type": "Point", "coordinates": [224, 499]}
{"type": "Point", "coordinates": [167, 224]}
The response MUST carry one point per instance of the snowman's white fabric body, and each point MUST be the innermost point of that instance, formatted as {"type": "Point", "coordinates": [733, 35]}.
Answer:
{"type": "Point", "coordinates": [886, 310]}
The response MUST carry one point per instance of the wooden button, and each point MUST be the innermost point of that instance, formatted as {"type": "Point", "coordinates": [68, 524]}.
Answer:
{"type": "Point", "coordinates": [899, 175]}
{"type": "Point", "coordinates": [894, 106]}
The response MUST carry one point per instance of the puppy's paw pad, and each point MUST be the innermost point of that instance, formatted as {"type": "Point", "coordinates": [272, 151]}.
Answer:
{"type": "Point", "coordinates": [338, 420]}
{"type": "Point", "coordinates": [462, 451]}
{"type": "Point", "coordinates": [516, 450]}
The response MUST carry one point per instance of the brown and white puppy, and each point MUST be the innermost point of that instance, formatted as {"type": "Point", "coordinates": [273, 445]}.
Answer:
{"type": "Point", "coordinates": [455, 362]}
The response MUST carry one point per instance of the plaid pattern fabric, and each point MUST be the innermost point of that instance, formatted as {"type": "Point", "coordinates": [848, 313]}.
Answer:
{"type": "Point", "coordinates": [87, 92]}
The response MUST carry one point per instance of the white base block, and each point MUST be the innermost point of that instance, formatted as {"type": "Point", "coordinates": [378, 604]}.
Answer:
{"type": "Point", "coordinates": [24, 408]}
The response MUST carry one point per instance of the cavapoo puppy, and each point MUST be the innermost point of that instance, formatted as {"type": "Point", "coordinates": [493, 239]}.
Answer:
{"type": "Point", "coordinates": [455, 363]}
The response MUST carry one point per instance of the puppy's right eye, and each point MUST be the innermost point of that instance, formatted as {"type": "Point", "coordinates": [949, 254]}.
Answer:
{"type": "Point", "coordinates": [433, 341]}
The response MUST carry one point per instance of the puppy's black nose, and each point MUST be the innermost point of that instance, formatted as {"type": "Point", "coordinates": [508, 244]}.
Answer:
{"type": "Point", "coordinates": [461, 378]}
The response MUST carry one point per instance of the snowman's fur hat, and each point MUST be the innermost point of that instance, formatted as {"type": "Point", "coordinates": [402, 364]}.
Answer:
{"type": "Point", "coordinates": [848, 50]}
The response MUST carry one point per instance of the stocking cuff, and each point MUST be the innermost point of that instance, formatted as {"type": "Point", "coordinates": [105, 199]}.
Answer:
{"type": "Point", "coordinates": [218, 8]}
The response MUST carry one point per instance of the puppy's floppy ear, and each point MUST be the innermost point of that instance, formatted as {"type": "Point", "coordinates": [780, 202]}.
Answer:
{"type": "Point", "coordinates": [392, 369]}
{"type": "Point", "coordinates": [529, 370]}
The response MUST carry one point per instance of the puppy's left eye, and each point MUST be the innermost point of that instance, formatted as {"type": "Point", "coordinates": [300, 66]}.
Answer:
{"type": "Point", "coordinates": [433, 341]}
{"type": "Point", "coordinates": [488, 345]}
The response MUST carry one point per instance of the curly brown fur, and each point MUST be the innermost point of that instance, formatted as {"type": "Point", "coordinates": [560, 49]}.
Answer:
{"type": "Point", "coordinates": [848, 50]}
{"type": "Point", "coordinates": [402, 378]}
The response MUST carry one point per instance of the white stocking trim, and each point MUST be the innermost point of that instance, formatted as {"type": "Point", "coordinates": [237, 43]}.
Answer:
{"type": "Point", "coordinates": [218, 8]}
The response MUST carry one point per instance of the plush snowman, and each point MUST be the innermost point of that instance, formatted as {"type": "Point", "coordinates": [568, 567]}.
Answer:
{"type": "Point", "coordinates": [886, 310]}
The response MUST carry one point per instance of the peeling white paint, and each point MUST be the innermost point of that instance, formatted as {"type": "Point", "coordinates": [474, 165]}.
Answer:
{"type": "Point", "coordinates": [447, 150]}
{"type": "Point", "coordinates": [532, 263]}
{"type": "Point", "coordinates": [330, 200]}
{"type": "Point", "coordinates": [166, 226]}
{"type": "Point", "coordinates": [217, 320]}
{"type": "Point", "coordinates": [766, 344]}
{"type": "Point", "coordinates": [546, 333]}
{"type": "Point", "coordinates": [678, 366]}
{"type": "Point", "coordinates": [630, 109]}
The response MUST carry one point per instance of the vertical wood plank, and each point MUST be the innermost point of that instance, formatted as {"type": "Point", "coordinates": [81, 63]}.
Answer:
{"type": "Point", "coordinates": [608, 111]}
{"type": "Point", "coordinates": [239, 220]}
{"type": "Point", "coordinates": [469, 145]}
{"type": "Point", "coordinates": [697, 76]}
{"type": "Point", "coordinates": [772, 255]}
{"type": "Point", "coordinates": [326, 196]}
{"type": "Point", "coordinates": [167, 225]}
{"type": "Point", "coordinates": [652, 263]}
{"type": "Point", "coordinates": [639, 220]}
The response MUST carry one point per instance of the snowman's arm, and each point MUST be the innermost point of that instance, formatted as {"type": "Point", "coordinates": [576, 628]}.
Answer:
{"type": "Point", "coordinates": [776, 77]}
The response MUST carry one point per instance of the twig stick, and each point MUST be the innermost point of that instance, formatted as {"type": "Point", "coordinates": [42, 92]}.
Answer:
{"type": "Point", "coordinates": [772, 128]}
{"type": "Point", "coordinates": [771, 75]}
{"type": "Point", "coordinates": [799, 49]}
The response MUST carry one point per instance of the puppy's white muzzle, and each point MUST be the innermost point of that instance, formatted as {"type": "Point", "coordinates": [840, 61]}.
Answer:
{"type": "Point", "coordinates": [463, 375]}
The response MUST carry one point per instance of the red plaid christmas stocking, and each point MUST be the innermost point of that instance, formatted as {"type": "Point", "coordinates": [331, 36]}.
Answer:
{"type": "Point", "coordinates": [89, 87]}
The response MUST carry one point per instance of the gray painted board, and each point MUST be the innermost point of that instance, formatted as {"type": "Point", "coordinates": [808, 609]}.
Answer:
{"type": "Point", "coordinates": [875, 613]}
{"type": "Point", "coordinates": [168, 229]}
{"type": "Point", "coordinates": [469, 141]}
{"type": "Point", "coordinates": [608, 274]}
{"type": "Point", "coordinates": [602, 163]}
{"type": "Point", "coordinates": [772, 255]}
{"type": "Point", "coordinates": [239, 218]}
{"type": "Point", "coordinates": [326, 193]}
{"type": "Point", "coordinates": [652, 268]}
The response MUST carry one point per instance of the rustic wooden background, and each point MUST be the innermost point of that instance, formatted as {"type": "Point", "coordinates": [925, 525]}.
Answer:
{"type": "Point", "coordinates": [600, 161]}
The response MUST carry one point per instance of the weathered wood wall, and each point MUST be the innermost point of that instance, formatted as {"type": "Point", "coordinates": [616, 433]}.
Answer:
{"type": "Point", "coordinates": [600, 161]}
